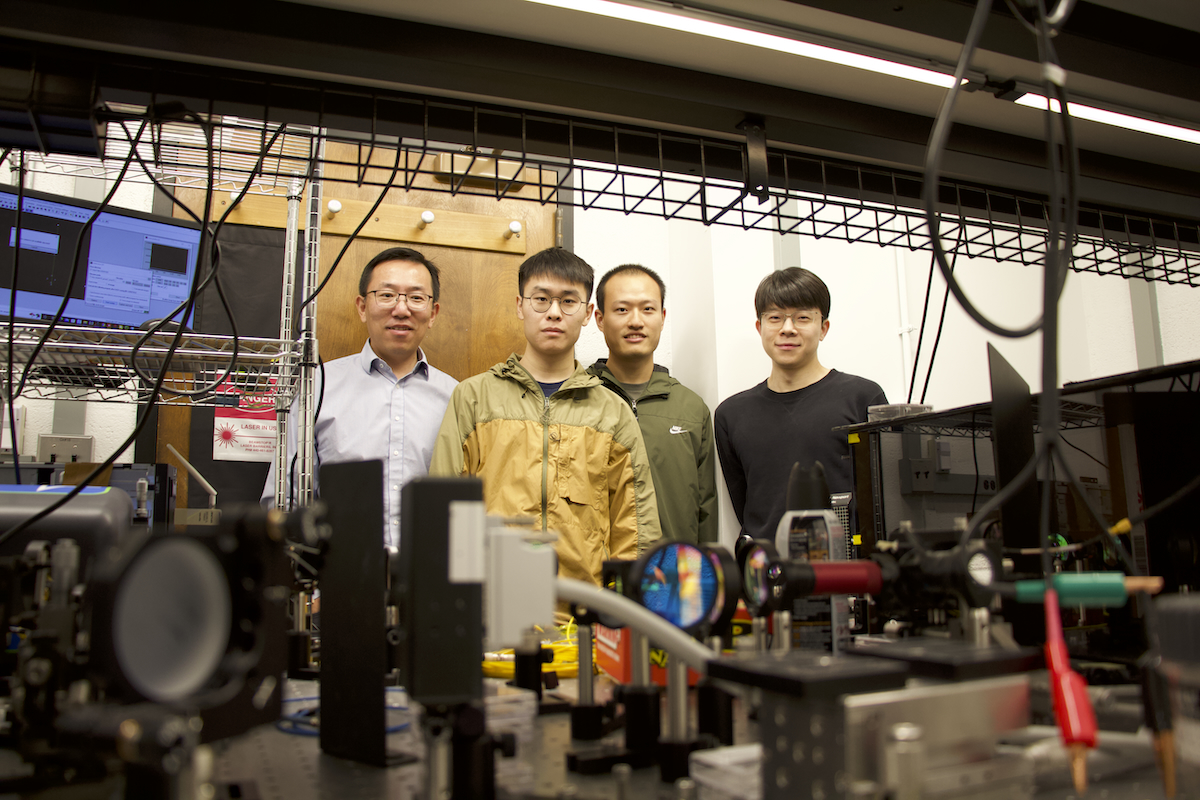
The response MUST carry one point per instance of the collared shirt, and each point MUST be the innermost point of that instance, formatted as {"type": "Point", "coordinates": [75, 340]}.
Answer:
{"type": "Point", "coordinates": [368, 413]}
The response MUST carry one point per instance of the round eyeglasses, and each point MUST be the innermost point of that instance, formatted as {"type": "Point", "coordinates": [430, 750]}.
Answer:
{"type": "Point", "coordinates": [567, 305]}
{"type": "Point", "coordinates": [800, 319]}
{"type": "Point", "coordinates": [388, 299]}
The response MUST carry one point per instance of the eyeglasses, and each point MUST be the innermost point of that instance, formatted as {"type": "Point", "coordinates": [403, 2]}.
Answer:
{"type": "Point", "coordinates": [541, 303]}
{"type": "Point", "coordinates": [414, 300]}
{"type": "Point", "coordinates": [774, 319]}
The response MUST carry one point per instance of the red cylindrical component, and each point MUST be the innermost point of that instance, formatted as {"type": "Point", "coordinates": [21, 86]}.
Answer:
{"type": "Point", "coordinates": [1072, 706]}
{"type": "Point", "coordinates": [847, 577]}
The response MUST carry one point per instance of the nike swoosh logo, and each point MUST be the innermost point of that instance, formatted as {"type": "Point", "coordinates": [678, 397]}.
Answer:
{"type": "Point", "coordinates": [677, 429]}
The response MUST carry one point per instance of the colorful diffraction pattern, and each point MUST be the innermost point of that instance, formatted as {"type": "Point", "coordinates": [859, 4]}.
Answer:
{"type": "Point", "coordinates": [679, 584]}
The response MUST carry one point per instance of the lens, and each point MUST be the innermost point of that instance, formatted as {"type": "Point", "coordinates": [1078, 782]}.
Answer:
{"type": "Point", "coordinates": [679, 584]}
{"type": "Point", "coordinates": [757, 583]}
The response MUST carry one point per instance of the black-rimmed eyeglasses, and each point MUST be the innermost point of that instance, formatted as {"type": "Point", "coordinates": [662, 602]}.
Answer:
{"type": "Point", "coordinates": [388, 299]}
{"type": "Point", "coordinates": [541, 303]}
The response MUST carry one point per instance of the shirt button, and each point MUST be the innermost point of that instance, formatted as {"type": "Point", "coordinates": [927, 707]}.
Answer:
{"type": "Point", "coordinates": [395, 520]}
{"type": "Point", "coordinates": [395, 452]}
{"type": "Point", "coordinates": [395, 487]}
{"type": "Point", "coordinates": [397, 419]}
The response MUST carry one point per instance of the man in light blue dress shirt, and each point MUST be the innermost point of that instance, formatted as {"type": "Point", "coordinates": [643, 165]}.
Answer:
{"type": "Point", "coordinates": [385, 403]}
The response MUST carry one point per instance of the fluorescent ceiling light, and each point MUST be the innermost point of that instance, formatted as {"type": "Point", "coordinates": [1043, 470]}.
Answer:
{"type": "Point", "coordinates": [1113, 118]}
{"type": "Point", "coordinates": [768, 41]}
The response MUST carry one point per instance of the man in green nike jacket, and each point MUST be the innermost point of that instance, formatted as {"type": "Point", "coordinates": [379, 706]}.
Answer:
{"type": "Point", "coordinates": [676, 424]}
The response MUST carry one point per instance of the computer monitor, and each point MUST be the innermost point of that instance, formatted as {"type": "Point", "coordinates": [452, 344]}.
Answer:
{"type": "Point", "coordinates": [133, 267]}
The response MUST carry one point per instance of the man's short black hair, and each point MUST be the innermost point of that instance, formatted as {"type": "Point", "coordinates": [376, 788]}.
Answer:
{"type": "Point", "coordinates": [793, 287]}
{"type": "Point", "coordinates": [400, 254]}
{"type": "Point", "coordinates": [558, 263]}
{"type": "Point", "coordinates": [621, 270]}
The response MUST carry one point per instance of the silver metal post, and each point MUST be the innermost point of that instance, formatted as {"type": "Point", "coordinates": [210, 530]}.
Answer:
{"type": "Point", "coordinates": [301, 611]}
{"type": "Point", "coordinates": [438, 763]}
{"type": "Point", "coordinates": [639, 657]}
{"type": "Point", "coordinates": [677, 700]}
{"type": "Point", "coordinates": [623, 775]}
{"type": "Point", "coordinates": [783, 632]}
{"type": "Point", "coordinates": [586, 688]}
{"type": "Point", "coordinates": [758, 629]}
{"type": "Point", "coordinates": [287, 302]}
{"type": "Point", "coordinates": [904, 761]}
{"type": "Point", "coordinates": [305, 434]}
{"type": "Point", "coordinates": [979, 627]}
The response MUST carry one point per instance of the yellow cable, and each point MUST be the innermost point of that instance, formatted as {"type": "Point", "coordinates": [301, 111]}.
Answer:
{"type": "Point", "coordinates": [565, 663]}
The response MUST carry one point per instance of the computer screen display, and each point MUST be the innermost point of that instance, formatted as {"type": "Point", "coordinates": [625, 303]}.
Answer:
{"type": "Point", "coordinates": [133, 267]}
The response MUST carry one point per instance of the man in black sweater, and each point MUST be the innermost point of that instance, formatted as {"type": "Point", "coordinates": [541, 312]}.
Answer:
{"type": "Point", "coordinates": [789, 417]}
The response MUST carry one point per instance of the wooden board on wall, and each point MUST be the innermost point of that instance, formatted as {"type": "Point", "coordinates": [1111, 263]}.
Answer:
{"type": "Point", "coordinates": [477, 324]}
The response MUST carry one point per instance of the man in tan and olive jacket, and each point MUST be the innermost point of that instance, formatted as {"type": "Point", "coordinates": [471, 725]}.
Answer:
{"type": "Point", "coordinates": [547, 438]}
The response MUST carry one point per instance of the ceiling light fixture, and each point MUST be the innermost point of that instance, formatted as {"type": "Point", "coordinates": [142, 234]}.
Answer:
{"type": "Point", "coordinates": [768, 41]}
{"type": "Point", "coordinates": [1093, 114]}
{"type": "Point", "coordinates": [681, 21]}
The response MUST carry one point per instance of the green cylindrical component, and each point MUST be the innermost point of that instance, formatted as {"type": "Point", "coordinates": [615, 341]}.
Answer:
{"type": "Point", "coordinates": [1089, 589]}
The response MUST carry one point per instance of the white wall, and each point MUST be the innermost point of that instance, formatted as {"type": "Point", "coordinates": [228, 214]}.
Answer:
{"type": "Point", "coordinates": [711, 345]}
{"type": "Point", "coordinates": [1177, 315]}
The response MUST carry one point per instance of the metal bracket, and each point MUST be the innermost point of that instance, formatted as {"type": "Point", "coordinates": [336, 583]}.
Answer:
{"type": "Point", "coordinates": [757, 184]}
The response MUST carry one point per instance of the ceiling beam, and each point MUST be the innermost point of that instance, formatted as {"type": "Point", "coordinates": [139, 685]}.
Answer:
{"type": "Point", "coordinates": [253, 44]}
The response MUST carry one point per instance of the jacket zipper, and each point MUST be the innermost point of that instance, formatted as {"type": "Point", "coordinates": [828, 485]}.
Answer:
{"type": "Point", "coordinates": [545, 457]}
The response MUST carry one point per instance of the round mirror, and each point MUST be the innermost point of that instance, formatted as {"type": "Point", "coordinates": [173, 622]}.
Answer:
{"type": "Point", "coordinates": [758, 577]}
{"type": "Point", "coordinates": [678, 582]}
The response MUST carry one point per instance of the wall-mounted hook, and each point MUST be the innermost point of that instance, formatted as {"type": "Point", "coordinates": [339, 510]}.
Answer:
{"type": "Point", "coordinates": [514, 229]}
{"type": "Point", "coordinates": [426, 219]}
{"type": "Point", "coordinates": [334, 206]}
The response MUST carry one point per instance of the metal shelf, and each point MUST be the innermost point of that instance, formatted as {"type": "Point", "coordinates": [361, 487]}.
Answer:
{"type": "Point", "coordinates": [669, 175]}
{"type": "Point", "coordinates": [976, 421]}
{"type": "Point", "coordinates": [97, 364]}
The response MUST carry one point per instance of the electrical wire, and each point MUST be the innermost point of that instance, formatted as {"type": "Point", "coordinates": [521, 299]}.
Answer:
{"type": "Point", "coordinates": [154, 394]}
{"type": "Point", "coordinates": [925, 317]}
{"type": "Point", "coordinates": [1044, 533]}
{"type": "Point", "coordinates": [1003, 496]}
{"type": "Point", "coordinates": [212, 276]}
{"type": "Point", "coordinates": [1070, 548]}
{"type": "Point", "coordinates": [84, 232]}
{"type": "Point", "coordinates": [941, 321]}
{"type": "Point", "coordinates": [502, 664]}
{"type": "Point", "coordinates": [912, 381]}
{"type": "Point", "coordinates": [1074, 446]}
{"type": "Point", "coordinates": [933, 157]}
{"type": "Point", "coordinates": [353, 236]}
{"type": "Point", "coordinates": [1163, 505]}
{"type": "Point", "coordinates": [1055, 20]}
